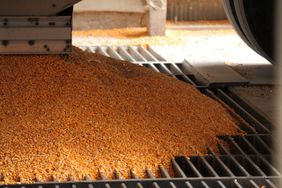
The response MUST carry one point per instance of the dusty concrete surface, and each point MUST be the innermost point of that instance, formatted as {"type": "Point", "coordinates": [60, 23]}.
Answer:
{"type": "Point", "coordinates": [199, 42]}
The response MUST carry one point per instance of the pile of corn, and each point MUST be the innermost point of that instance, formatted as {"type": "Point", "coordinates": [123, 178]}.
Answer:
{"type": "Point", "coordinates": [74, 116]}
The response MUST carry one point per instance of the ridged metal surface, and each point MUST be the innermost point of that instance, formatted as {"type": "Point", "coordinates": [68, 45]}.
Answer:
{"type": "Point", "coordinates": [254, 21]}
{"type": "Point", "coordinates": [182, 10]}
{"type": "Point", "coordinates": [246, 162]}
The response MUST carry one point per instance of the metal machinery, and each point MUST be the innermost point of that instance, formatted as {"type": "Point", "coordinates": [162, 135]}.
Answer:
{"type": "Point", "coordinates": [42, 27]}
{"type": "Point", "coordinates": [36, 26]}
{"type": "Point", "coordinates": [254, 22]}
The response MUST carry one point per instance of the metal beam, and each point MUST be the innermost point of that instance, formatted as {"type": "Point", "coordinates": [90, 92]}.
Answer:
{"type": "Point", "coordinates": [35, 33]}
{"type": "Point", "coordinates": [34, 7]}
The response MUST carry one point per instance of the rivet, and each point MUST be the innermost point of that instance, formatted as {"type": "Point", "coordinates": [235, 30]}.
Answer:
{"type": "Point", "coordinates": [5, 42]}
{"type": "Point", "coordinates": [31, 42]}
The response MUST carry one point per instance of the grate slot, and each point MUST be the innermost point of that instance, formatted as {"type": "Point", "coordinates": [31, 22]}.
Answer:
{"type": "Point", "coordinates": [189, 185]}
{"type": "Point", "coordinates": [199, 184]}
{"type": "Point", "coordinates": [268, 158]}
{"type": "Point", "coordinates": [114, 54]}
{"type": "Point", "coordinates": [133, 175]}
{"type": "Point", "coordinates": [206, 169]}
{"type": "Point", "coordinates": [249, 165]}
{"type": "Point", "coordinates": [205, 185]}
{"type": "Point", "coordinates": [151, 176]}
{"type": "Point", "coordinates": [241, 125]}
{"type": "Point", "coordinates": [263, 161]}
{"type": "Point", "coordinates": [232, 93]}
{"type": "Point", "coordinates": [241, 143]}
{"type": "Point", "coordinates": [259, 162]}
{"type": "Point", "coordinates": [218, 166]}
{"type": "Point", "coordinates": [267, 139]}
{"type": "Point", "coordinates": [102, 51]}
{"type": "Point", "coordinates": [269, 183]}
{"type": "Point", "coordinates": [163, 65]}
{"type": "Point", "coordinates": [162, 69]}
{"type": "Point", "coordinates": [125, 55]}
{"type": "Point", "coordinates": [150, 66]}
{"type": "Point", "coordinates": [147, 55]}
{"type": "Point", "coordinates": [135, 54]}
{"type": "Point", "coordinates": [165, 174]}
{"type": "Point", "coordinates": [156, 55]}
{"type": "Point", "coordinates": [173, 69]}
{"type": "Point", "coordinates": [183, 68]}
{"type": "Point", "coordinates": [243, 113]}
{"type": "Point", "coordinates": [265, 166]}
{"type": "Point", "coordinates": [104, 177]}
{"type": "Point", "coordinates": [254, 184]}
{"type": "Point", "coordinates": [92, 49]}
{"type": "Point", "coordinates": [221, 184]}
{"type": "Point", "coordinates": [260, 183]}
{"type": "Point", "coordinates": [82, 186]}
{"type": "Point", "coordinates": [187, 166]}
{"type": "Point", "coordinates": [155, 67]}
{"type": "Point", "coordinates": [259, 145]}
{"type": "Point", "coordinates": [186, 79]}
{"type": "Point", "coordinates": [237, 184]}
{"type": "Point", "coordinates": [193, 167]}
{"type": "Point", "coordinates": [222, 168]}
{"type": "Point", "coordinates": [176, 168]}
{"type": "Point", "coordinates": [197, 83]}
{"type": "Point", "coordinates": [117, 176]}
{"type": "Point", "coordinates": [231, 162]}
{"type": "Point", "coordinates": [89, 49]}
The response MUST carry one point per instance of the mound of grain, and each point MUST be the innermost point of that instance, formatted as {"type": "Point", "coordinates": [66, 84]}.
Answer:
{"type": "Point", "coordinates": [74, 116]}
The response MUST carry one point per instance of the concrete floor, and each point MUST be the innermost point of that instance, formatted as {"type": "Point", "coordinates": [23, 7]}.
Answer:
{"type": "Point", "coordinates": [200, 43]}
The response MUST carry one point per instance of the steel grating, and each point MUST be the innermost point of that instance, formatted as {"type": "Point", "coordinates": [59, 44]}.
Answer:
{"type": "Point", "coordinates": [243, 162]}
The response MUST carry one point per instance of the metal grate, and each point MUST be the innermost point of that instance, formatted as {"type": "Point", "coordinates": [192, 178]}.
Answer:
{"type": "Point", "coordinates": [247, 162]}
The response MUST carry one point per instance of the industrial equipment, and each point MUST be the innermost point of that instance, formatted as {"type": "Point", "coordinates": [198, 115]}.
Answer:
{"type": "Point", "coordinates": [36, 26]}
{"type": "Point", "coordinates": [44, 27]}
{"type": "Point", "coordinates": [254, 21]}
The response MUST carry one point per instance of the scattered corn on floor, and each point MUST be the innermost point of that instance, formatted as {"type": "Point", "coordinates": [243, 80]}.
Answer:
{"type": "Point", "coordinates": [139, 36]}
{"type": "Point", "coordinates": [194, 41]}
{"type": "Point", "coordinates": [73, 117]}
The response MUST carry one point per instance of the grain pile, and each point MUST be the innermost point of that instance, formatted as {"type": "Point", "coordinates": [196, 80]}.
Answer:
{"type": "Point", "coordinates": [63, 117]}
